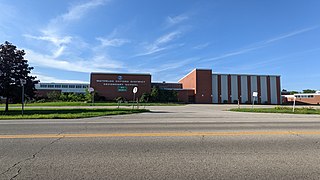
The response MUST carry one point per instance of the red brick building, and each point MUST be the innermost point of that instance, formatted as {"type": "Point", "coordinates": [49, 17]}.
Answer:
{"type": "Point", "coordinates": [111, 86]}
{"type": "Point", "coordinates": [199, 86]}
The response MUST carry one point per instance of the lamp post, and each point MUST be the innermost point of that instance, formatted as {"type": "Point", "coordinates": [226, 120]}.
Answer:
{"type": "Point", "coordinates": [22, 82]}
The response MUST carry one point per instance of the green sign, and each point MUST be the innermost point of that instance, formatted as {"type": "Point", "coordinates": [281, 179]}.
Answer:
{"type": "Point", "coordinates": [122, 88]}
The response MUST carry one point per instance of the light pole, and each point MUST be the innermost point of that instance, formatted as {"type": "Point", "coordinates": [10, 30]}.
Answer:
{"type": "Point", "coordinates": [22, 82]}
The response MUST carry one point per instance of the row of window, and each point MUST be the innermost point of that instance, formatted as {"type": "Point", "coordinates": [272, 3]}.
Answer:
{"type": "Point", "coordinates": [63, 86]}
{"type": "Point", "coordinates": [304, 96]}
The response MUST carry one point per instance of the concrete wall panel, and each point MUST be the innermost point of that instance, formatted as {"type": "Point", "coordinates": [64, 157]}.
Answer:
{"type": "Point", "coordinates": [234, 88]}
{"type": "Point", "coordinates": [215, 88]}
{"type": "Point", "coordinates": [244, 89]}
{"type": "Point", "coordinates": [273, 87]}
{"type": "Point", "coordinates": [224, 88]}
{"type": "Point", "coordinates": [264, 94]}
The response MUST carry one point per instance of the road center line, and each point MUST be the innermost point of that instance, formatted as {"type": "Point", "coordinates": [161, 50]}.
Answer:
{"type": "Point", "coordinates": [160, 134]}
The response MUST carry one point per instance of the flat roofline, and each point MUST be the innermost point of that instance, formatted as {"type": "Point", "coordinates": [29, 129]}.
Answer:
{"type": "Point", "coordinates": [306, 94]}
{"type": "Point", "coordinates": [134, 74]}
{"type": "Point", "coordinates": [246, 74]}
{"type": "Point", "coordinates": [178, 89]}
{"type": "Point", "coordinates": [62, 83]}
{"type": "Point", "coordinates": [165, 83]}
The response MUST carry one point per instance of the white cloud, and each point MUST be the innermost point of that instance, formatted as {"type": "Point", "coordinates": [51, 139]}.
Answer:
{"type": "Point", "coordinates": [56, 40]}
{"type": "Point", "coordinates": [58, 52]}
{"type": "Point", "coordinates": [96, 65]}
{"type": "Point", "coordinates": [112, 42]}
{"type": "Point", "coordinates": [48, 79]}
{"type": "Point", "coordinates": [290, 34]}
{"type": "Point", "coordinates": [78, 11]}
{"type": "Point", "coordinates": [171, 21]}
{"type": "Point", "coordinates": [166, 38]}
{"type": "Point", "coordinates": [160, 43]}
{"type": "Point", "coordinates": [201, 46]}
{"type": "Point", "coordinates": [260, 44]}
{"type": "Point", "coordinates": [233, 53]}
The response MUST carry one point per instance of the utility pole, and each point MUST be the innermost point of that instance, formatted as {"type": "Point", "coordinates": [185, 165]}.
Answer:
{"type": "Point", "coordinates": [22, 82]}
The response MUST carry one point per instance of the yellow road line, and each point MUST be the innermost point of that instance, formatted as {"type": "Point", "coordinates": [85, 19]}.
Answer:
{"type": "Point", "coordinates": [160, 134]}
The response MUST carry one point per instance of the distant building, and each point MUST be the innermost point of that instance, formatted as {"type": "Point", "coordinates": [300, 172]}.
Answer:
{"type": "Point", "coordinates": [42, 89]}
{"type": "Point", "coordinates": [308, 98]}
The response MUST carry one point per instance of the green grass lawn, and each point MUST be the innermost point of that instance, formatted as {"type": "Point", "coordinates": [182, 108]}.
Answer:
{"type": "Point", "coordinates": [43, 113]}
{"type": "Point", "coordinates": [90, 104]}
{"type": "Point", "coordinates": [308, 110]}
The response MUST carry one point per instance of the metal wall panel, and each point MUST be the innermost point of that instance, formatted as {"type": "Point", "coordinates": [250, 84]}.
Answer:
{"type": "Point", "coordinates": [215, 88]}
{"type": "Point", "coordinates": [254, 87]}
{"type": "Point", "coordinates": [244, 89]}
{"type": "Point", "coordinates": [264, 93]}
{"type": "Point", "coordinates": [273, 87]}
{"type": "Point", "coordinates": [224, 88]}
{"type": "Point", "coordinates": [234, 88]}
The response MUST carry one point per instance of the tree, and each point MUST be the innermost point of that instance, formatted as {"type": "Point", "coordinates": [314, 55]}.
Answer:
{"type": "Point", "coordinates": [309, 91]}
{"type": "Point", "coordinates": [154, 95]}
{"type": "Point", "coordinates": [13, 68]}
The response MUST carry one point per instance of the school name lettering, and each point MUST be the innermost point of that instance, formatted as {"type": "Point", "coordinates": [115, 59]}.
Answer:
{"type": "Point", "coordinates": [107, 82]}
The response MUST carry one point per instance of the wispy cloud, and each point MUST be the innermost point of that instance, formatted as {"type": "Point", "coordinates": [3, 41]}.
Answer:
{"type": "Point", "coordinates": [48, 79]}
{"type": "Point", "coordinates": [173, 20]}
{"type": "Point", "coordinates": [169, 65]}
{"type": "Point", "coordinates": [56, 40]}
{"type": "Point", "coordinates": [201, 46]}
{"type": "Point", "coordinates": [61, 45]}
{"type": "Point", "coordinates": [98, 64]}
{"type": "Point", "coordinates": [116, 42]}
{"type": "Point", "coordinates": [78, 11]}
{"type": "Point", "coordinates": [290, 34]}
{"type": "Point", "coordinates": [232, 53]}
{"type": "Point", "coordinates": [259, 45]}
{"type": "Point", "coordinates": [161, 43]}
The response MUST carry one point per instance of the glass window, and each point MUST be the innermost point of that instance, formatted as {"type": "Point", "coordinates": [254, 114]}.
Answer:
{"type": "Point", "coordinates": [43, 85]}
{"type": "Point", "coordinates": [50, 86]}
{"type": "Point", "coordinates": [57, 86]}
{"type": "Point", "coordinates": [64, 86]}
{"type": "Point", "coordinates": [78, 86]}
{"type": "Point", "coordinates": [71, 86]}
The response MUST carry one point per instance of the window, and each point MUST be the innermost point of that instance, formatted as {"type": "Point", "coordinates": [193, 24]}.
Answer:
{"type": "Point", "coordinates": [64, 86]}
{"type": "Point", "coordinates": [78, 86]}
{"type": "Point", "coordinates": [57, 86]}
{"type": "Point", "coordinates": [43, 85]}
{"type": "Point", "coordinates": [85, 86]}
{"type": "Point", "coordinates": [71, 86]}
{"type": "Point", "coordinates": [50, 86]}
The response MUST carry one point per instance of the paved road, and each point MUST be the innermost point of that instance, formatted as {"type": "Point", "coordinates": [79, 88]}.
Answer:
{"type": "Point", "coordinates": [183, 142]}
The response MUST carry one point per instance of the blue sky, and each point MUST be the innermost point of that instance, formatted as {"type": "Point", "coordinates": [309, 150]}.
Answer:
{"type": "Point", "coordinates": [66, 40]}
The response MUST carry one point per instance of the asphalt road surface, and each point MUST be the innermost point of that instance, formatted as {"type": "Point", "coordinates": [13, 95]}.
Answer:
{"type": "Point", "coordinates": [183, 142]}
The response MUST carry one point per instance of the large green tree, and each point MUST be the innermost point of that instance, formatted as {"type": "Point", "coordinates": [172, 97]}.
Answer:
{"type": "Point", "coordinates": [13, 68]}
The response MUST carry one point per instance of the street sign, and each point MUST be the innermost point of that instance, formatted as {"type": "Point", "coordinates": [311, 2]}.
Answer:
{"type": "Point", "coordinates": [255, 94]}
{"type": "Point", "coordinates": [90, 89]}
{"type": "Point", "coordinates": [122, 88]}
{"type": "Point", "coordinates": [135, 90]}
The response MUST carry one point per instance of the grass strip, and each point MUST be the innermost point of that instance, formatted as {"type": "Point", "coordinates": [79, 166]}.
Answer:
{"type": "Point", "coordinates": [90, 104]}
{"type": "Point", "coordinates": [65, 113]}
{"type": "Point", "coordinates": [287, 110]}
